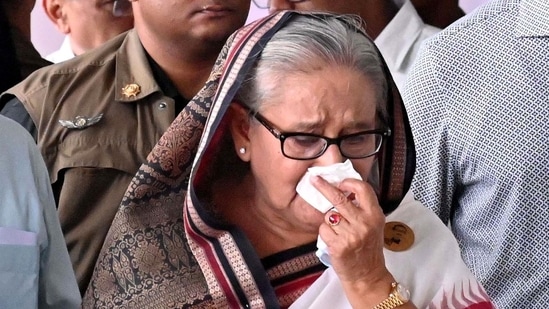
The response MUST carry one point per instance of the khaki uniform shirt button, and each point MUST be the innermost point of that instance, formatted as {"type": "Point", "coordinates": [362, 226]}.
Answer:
{"type": "Point", "coordinates": [162, 105]}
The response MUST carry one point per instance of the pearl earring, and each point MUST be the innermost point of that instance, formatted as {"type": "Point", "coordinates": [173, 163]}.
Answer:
{"type": "Point", "coordinates": [242, 150]}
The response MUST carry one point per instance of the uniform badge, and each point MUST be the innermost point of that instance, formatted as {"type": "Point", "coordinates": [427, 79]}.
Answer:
{"type": "Point", "coordinates": [398, 236]}
{"type": "Point", "coordinates": [80, 122]}
{"type": "Point", "coordinates": [131, 90]}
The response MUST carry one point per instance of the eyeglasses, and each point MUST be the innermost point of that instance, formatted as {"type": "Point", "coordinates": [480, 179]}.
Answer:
{"type": "Point", "coordinates": [306, 146]}
{"type": "Point", "coordinates": [265, 4]}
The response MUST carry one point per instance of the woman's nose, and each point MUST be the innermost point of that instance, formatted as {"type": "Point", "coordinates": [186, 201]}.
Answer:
{"type": "Point", "coordinates": [331, 156]}
{"type": "Point", "coordinates": [279, 5]}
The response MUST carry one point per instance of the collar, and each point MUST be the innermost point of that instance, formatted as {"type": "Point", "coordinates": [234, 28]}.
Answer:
{"type": "Point", "coordinates": [402, 32]}
{"type": "Point", "coordinates": [132, 67]}
{"type": "Point", "coordinates": [533, 19]}
{"type": "Point", "coordinates": [164, 82]}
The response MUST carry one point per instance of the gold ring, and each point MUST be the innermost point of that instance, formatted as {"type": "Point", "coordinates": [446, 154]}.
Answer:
{"type": "Point", "coordinates": [334, 218]}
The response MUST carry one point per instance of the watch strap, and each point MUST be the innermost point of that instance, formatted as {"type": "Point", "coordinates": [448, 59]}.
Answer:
{"type": "Point", "coordinates": [392, 301]}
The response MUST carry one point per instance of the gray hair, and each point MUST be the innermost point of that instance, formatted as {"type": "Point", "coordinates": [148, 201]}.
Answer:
{"type": "Point", "coordinates": [304, 43]}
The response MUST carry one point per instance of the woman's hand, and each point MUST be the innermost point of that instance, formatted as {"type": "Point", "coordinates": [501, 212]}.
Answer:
{"type": "Point", "coordinates": [355, 243]}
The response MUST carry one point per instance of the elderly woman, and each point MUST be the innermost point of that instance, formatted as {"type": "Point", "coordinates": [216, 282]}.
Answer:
{"type": "Point", "coordinates": [292, 94]}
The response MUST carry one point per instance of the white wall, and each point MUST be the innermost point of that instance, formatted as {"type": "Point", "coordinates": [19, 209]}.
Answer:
{"type": "Point", "coordinates": [470, 5]}
{"type": "Point", "coordinates": [44, 34]}
{"type": "Point", "coordinates": [47, 39]}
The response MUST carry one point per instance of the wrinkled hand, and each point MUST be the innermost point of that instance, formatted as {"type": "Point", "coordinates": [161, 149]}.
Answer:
{"type": "Point", "coordinates": [355, 244]}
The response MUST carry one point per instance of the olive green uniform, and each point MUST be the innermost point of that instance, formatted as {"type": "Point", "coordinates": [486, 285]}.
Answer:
{"type": "Point", "coordinates": [92, 165]}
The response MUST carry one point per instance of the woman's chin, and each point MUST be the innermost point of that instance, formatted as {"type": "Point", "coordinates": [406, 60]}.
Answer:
{"type": "Point", "coordinates": [307, 214]}
{"type": "Point", "coordinates": [312, 214]}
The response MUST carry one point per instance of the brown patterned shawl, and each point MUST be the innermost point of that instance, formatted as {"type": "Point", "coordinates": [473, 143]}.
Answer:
{"type": "Point", "coordinates": [164, 250]}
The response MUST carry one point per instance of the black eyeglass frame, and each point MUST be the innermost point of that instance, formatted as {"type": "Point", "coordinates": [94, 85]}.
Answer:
{"type": "Point", "coordinates": [256, 2]}
{"type": "Point", "coordinates": [282, 136]}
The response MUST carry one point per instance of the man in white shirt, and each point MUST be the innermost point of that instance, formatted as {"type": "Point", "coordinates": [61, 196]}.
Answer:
{"type": "Point", "coordinates": [396, 27]}
{"type": "Point", "coordinates": [86, 24]}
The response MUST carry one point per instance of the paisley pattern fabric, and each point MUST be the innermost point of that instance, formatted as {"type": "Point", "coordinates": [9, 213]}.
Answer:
{"type": "Point", "coordinates": [146, 259]}
{"type": "Point", "coordinates": [165, 250]}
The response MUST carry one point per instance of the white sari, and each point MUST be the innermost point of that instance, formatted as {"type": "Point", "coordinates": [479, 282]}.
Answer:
{"type": "Point", "coordinates": [432, 268]}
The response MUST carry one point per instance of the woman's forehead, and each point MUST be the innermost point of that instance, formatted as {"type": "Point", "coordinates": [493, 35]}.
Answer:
{"type": "Point", "coordinates": [331, 89]}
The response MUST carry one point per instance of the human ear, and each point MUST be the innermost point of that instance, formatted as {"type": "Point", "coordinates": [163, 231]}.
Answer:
{"type": "Point", "coordinates": [239, 126]}
{"type": "Point", "coordinates": [54, 10]}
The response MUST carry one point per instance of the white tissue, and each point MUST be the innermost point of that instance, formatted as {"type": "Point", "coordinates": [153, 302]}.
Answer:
{"type": "Point", "coordinates": [322, 252]}
{"type": "Point", "coordinates": [333, 174]}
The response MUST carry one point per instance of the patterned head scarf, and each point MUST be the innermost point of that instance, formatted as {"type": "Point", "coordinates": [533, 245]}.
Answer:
{"type": "Point", "coordinates": [163, 250]}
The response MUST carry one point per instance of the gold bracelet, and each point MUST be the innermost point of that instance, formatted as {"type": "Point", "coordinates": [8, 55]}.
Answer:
{"type": "Point", "coordinates": [398, 296]}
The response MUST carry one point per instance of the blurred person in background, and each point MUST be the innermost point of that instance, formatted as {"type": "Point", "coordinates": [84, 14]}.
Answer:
{"type": "Point", "coordinates": [35, 270]}
{"type": "Point", "coordinates": [86, 24]}
{"type": "Point", "coordinates": [438, 13]}
{"type": "Point", "coordinates": [478, 101]}
{"type": "Point", "coordinates": [96, 117]}
{"type": "Point", "coordinates": [396, 26]}
{"type": "Point", "coordinates": [18, 58]}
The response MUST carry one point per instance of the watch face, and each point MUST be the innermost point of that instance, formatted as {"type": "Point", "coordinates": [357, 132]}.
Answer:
{"type": "Point", "coordinates": [402, 293]}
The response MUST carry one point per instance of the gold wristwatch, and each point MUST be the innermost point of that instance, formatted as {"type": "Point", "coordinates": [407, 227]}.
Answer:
{"type": "Point", "coordinates": [398, 296]}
